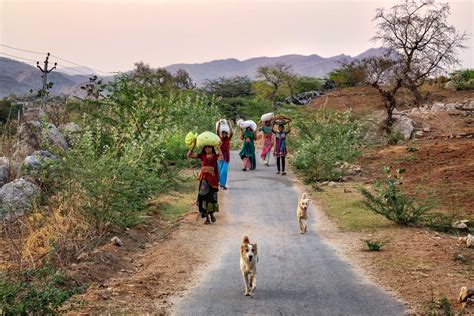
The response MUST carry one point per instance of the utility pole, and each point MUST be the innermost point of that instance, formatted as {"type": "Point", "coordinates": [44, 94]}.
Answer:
{"type": "Point", "coordinates": [44, 91]}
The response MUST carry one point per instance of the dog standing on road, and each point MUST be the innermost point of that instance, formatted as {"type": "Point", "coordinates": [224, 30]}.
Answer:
{"type": "Point", "coordinates": [302, 213]}
{"type": "Point", "coordinates": [248, 265]}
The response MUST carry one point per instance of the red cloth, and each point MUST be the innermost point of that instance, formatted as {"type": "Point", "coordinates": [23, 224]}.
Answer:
{"type": "Point", "coordinates": [225, 148]}
{"type": "Point", "coordinates": [209, 170]}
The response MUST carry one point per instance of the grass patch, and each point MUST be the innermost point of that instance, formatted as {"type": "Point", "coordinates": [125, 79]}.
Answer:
{"type": "Point", "coordinates": [177, 203]}
{"type": "Point", "coordinates": [349, 212]}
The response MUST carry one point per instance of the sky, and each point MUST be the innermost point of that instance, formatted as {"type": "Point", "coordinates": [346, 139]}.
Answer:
{"type": "Point", "coordinates": [111, 35]}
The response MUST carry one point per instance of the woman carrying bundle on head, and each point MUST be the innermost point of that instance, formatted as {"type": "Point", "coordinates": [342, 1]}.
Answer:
{"type": "Point", "coordinates": [209, 181]}
{"type": "Point", "coordinates": [247, 154]}
{"type": "Point", "coordinates": [280, 151]}
{"type": "Point", "coordinates": [226, 136]}
{"type": "Point", "coordinates": [266, 130]}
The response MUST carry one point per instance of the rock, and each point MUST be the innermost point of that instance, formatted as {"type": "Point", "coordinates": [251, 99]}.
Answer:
{"type": "Point", "coordinates": [332, 184]}
{"type": "Point", "coordinates": [427, 129]}
{"type": "Point", "coordinates": [460, 225]}
{"type": "Point", "coordinates": [17, 197]}
{"type": "Point", "coordinates": [303, 98]}
{"type": "Point", "coordinates": [465, 294]}
{"type": "Point", "coordinates": [31, 136]}
{"type": "Point", "coordinates": [69, 130]}
{"type": "Point", "coordinates": [116, 241]}
{"type": "Point", "coordinates": [37, 159]}
{"type": "Point", "coordinates": [419, 134]}
{"type": "Point", "coordinates": [468, 240]}
{"type": "Point", "coordinates": [403, 125]}
{"type": "Point", "coordinates": [4, 170]}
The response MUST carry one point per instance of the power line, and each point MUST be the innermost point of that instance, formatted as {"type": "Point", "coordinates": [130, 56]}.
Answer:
{"type": "Point", "coordinates": [57, 57]}
{"type": "Point", "coordinates": [18, 57]}
{"type": "Point", "coordinates": [23, 50]}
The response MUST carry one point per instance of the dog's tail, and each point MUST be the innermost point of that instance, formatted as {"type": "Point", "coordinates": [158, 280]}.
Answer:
{"type": "Point", "coordinates": [303, 197]}
{"type": "Point", "coordinates": [245, 239]}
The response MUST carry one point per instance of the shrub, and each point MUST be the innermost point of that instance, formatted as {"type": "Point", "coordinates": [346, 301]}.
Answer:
{"type": "Point", "coordinates": [229, 87]}
{"type": "Point", "coordinates": [304, 84]}
{"type": "Point", "coordinates": [463, 79]}
{"type": "Point", "coordinates": [391, 202]}
{"type": "Point", "coordinates": [348, 75]}
{"type": "Point", "coordinates": [373, 245]}
{"type": "Point", "coordinates": [332, 137]}
{"type": "Point", "coordinates": [35, 292]}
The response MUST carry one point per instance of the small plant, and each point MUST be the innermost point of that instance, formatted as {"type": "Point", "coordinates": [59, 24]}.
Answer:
{"type": "Point", "coordinates": [35, 292]}
{"type": "Point", "coordinates": [394, 138]}
{"type": "Point", "coordinates": [441, 307]}
{"type": "Point", "coordinates": [391, 202]}
{"type": "Point", "coordinates": [373, 245]}
{"type": "Point", "coordinates": [411, 149]}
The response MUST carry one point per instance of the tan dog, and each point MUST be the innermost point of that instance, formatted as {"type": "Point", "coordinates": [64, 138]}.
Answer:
{"type": "Point", "coordinates": [302, 213]}
{"type": "Point", "coordinates": [248, 265]}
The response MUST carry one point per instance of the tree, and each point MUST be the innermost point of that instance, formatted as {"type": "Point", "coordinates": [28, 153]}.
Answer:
{"type": "Point", "coordinates": [348, 75]}
{"type": "Point", "coordinates": [418, 33]}
{"type": "Point", "coordinates": [276, 76]}
{"type": "Point", "coordinates": [238, 86]}
{"type": "Point", "coordinates": [183, 81]}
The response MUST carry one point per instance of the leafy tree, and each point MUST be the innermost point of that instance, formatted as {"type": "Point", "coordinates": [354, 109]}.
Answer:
{"type": "Point", "coordinates": [183, 81]}
{"type": "Point", "coordinates": [238, 86]}
{"type": "Point", "coordinates": [304, 84]}
{"type": "Point", "coordinates": [277, 76]}
{"type": "Point", "coordinates": [419, 35]}
{"type": "Point", "coordinates": [348, 75]}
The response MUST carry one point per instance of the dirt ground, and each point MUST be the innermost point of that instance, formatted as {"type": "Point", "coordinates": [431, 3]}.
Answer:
{"type": "Point", "coordinates": [417, 264]}
{"type": "Point", "coordinates": [152, 266]}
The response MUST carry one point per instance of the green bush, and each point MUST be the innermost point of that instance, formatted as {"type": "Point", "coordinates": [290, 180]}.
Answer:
{"type": "Point", "coordinates": [35, 292]}
{"type": "Point", "coordinates": [304, 84]}
{"type": "Point", "coordinates": [463, 79]}
{"type": "Point", "coordinates": [392, 203]}
{"type": "Point", "coordinates": [348, 75]}
{"type": "Point", "coordinates": [332, 137]}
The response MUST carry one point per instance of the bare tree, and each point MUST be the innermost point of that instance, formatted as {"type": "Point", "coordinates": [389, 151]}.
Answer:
{"type": "Point", "coordinates": [277, 75]}
{"type": "Point", "coordinates": [417, 32]}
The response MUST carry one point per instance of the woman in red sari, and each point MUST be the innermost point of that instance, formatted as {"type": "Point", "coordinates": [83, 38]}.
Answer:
{"type": "Point", "coordinates": [209, 181]}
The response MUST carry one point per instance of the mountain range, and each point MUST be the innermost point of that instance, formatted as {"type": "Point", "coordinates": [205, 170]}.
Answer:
{"type": "Point", "coordinates": [18, 78]}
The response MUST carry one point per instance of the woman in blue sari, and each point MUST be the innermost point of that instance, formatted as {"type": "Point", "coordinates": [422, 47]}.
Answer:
{"type": "Point", "coordinates": [247, 154]}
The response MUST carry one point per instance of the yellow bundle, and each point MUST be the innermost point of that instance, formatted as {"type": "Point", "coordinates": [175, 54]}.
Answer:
{"type": "Point", "coordinates": [207, 139]}
{"type": "Point", "coordinates": [190, 139]}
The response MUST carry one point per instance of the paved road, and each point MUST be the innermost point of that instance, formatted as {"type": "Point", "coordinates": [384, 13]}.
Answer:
{"type": "Point", "coordinates": [297, 274]}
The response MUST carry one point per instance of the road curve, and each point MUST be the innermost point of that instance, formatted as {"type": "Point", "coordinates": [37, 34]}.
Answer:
{"type": "Point", "coordinates": [297, 274]}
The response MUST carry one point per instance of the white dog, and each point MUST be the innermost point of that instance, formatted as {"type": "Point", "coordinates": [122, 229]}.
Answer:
{"type": "Point", "coordinates": [302, 213]}
{"type": "Point", "coordinates": [248, 265]}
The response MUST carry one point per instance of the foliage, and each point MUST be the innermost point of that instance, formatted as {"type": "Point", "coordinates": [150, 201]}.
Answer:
{"type": "Point", "coordinates": [463, 79]}
{"type": "Point", "coordinates": [246, 108]}
{"type": "Point", "coordinates": [239, 86]}
{"type": "Point", "coordinates": [391, 202]}
{"type": "Point", "coordinates": [373, 245]}
{"type": "Point", "coordinates": [8, 110]}
{"type": "Point", "coordinates": [304, 84]}
{"type": "Point", "coordinates": [330, 138]}
{"type": "Point", "coordinates": [276, 76]}
{"type": "Point", "coordinates": [441, 307]}
{"type": "Point", "coordinates": [348, 75]}
{"type": "Point", "coordinates": [35, 292]}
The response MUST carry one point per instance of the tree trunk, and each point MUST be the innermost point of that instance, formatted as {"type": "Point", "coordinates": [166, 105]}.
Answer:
{"type": "Point", "coordinates": [390, 104]}
{"type": "Point", "coordinates": [416, 94]}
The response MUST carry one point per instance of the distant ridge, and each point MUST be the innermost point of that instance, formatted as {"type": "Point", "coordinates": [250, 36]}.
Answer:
{"type": "Point", "coordinates": [18, 78]}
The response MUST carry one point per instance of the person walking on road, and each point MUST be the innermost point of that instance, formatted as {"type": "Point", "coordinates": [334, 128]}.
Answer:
{"type": "Point", "coordinates": [225, 150]}
{"type": "Point", "coordinates": [247, 154]}
{"type": "Point", "coordinates": [280, 151]}
{"type": "Point", "coordinates": [266, 130]}
{"type": "Point", "coordinates": [209, 181]}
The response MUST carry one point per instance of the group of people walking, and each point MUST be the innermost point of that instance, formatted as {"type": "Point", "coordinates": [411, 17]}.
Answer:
{"type": "Point", "coordinates": [215, 161]}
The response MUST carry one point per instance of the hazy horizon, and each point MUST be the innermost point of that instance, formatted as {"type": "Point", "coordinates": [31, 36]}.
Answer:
{"type": "Point", "coordinates": [111, 35]}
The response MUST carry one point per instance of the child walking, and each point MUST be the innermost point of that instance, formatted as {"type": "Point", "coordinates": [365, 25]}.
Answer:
{"type": "Point", "coordinates": [266, 129]}
{"type": "Point", "coordinates": [225, 150]}
{"type": "Point", "coordinates": [209, 182]}
{"type": "Point", "coordinates": [280, 151]}
{"type": "Point", "coordinates": [247, 154]}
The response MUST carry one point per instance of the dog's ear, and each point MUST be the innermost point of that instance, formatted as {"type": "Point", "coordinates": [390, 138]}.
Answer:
{"type": "Point", "coordinates": [254, 247]}
{"type": "Point", "coordinates": [245, 240]}
{"type": "Point", "coordinates": [303, 197]}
